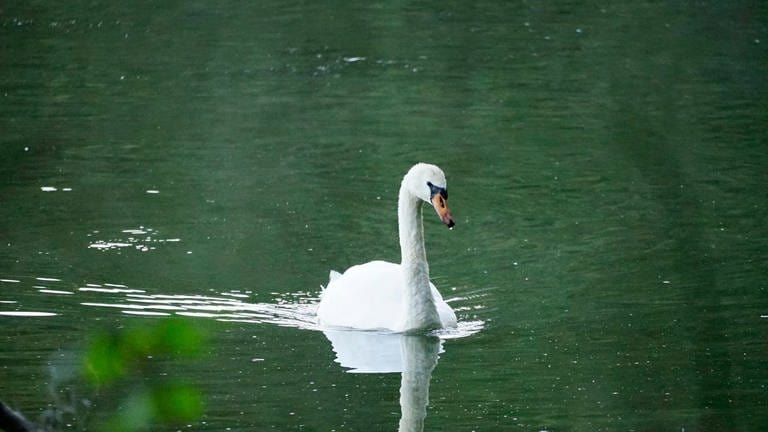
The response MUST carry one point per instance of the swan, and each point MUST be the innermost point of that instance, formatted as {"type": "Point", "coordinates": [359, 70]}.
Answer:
{"type": "Point", "coordinates": [381, 295]}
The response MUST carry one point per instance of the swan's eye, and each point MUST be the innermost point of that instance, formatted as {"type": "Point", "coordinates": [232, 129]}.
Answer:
{"type": "Point", "coordinates": [437, 190]}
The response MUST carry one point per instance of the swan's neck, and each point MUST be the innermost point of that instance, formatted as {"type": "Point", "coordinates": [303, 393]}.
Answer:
{"type": "Point", "coordinates": [419, 311]}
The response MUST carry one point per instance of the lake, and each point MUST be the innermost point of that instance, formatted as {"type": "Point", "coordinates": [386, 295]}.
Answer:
{"type": "Point", "coordinates": [607, 167]}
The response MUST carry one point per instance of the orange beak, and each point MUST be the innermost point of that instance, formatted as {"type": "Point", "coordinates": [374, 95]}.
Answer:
{"type": "Point", "coordinates": [441, 206]}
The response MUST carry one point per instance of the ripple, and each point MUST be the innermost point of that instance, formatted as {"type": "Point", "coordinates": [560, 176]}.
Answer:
{"type": "Point", "coordinates": [462, 329]}
{"type": "Point", "coordinates": [296, 309]}
{"type": "Point", "coordinates": [226, 307]}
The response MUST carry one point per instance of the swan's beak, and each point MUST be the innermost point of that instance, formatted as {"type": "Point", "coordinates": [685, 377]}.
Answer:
{"type": "Point", "coordinates": [441, 206]}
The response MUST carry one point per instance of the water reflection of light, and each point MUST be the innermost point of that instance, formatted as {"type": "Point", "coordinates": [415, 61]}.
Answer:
{"type": "Point", "coordinates": [109, 290]}
{"type": "Point", "coordinates": [235, 295]}
{"type": "Point", "coordinates": [50, 291]}
{"type": "Point", "coordinates": [145, 313]}
{"type": "Point", "coordinates": [27, 313]}
{"type": "Point", "coordinates": [102, 245]}
{"type": "Point", "coordinates": [131, 306]}
{"type": "Point", "coordinates": [143, 239]}
{"type": "Point", "coordinates": [55, 189]}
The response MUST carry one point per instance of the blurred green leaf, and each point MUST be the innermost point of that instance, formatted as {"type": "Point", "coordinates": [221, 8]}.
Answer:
{"type": "Point", "coordinates": [166, 403]}
{"type": "Point", "coordinates": [104, 361]}
{"type": "Point", "coordinates": [177, 402]}
{"type": "Point", "coordinates": [110, 355]}
{"type": "Point", "coordinates": [137, 413]}
{"type": "Point", "coordinates": [179, 336]}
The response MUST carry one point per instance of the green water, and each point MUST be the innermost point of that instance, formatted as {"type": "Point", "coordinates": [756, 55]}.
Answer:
{"type": "Point", "coordinates": [607, 167]}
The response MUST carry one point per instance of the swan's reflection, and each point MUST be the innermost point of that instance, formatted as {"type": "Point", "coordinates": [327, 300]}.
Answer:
{"type": "Point", "coordinates": [414, 356]}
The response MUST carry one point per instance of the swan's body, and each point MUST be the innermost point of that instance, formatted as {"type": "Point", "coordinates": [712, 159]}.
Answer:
{"type": "Point", "coordinates": [380, 295]}
{"type": "Point", "coordinates": [372, 296]}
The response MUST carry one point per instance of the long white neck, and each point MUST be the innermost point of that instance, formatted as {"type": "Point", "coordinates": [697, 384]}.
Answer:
{"type": "Point", "coordinates": [419, 311]}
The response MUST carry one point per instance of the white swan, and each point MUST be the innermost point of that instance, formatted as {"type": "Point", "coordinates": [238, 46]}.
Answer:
{"type": "Point", "coordinates": [380, 295]}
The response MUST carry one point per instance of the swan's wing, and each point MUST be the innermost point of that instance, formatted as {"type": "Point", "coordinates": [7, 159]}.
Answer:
{"type": "Point", "coordinates": [366, 296]}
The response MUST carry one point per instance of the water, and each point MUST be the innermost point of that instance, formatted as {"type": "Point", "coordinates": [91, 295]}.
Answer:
{"type": "Point", "coordinates": [607, 169]}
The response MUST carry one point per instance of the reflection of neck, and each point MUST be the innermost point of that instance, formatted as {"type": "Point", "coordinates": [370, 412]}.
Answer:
{"type": "Point", "coordinates": [419, 311]}
{"type": "Point", "coordinates": [419, 356]}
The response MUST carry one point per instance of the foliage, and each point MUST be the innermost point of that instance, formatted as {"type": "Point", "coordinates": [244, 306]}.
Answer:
{"type": "Point", "coordinates": [113, 359]}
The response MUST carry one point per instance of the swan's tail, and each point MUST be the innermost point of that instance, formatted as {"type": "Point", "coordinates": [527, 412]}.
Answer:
{"type": "Point", "coordinates": [331, 277]}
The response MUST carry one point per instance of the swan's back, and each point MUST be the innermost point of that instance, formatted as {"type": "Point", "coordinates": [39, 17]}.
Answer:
{"type": "Point", "coordinates": [370, 297]}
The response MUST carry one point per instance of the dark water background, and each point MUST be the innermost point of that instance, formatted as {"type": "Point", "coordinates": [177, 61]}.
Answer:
{"type": "Point", "coordinates": [607, 166]}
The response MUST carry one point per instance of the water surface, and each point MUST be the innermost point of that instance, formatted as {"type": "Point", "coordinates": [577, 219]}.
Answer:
{"type": "Point", "coordinates": [607, 169]}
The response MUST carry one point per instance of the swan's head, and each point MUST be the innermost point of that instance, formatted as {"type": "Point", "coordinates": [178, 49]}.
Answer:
{"type": "Point", "coordinates": [427, 182]}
